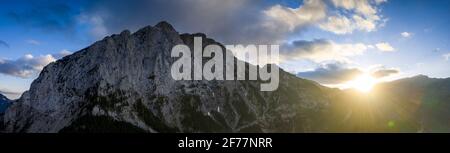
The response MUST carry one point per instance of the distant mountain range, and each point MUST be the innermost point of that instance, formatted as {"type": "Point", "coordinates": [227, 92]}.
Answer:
{"type": "Point", "coordinates": [416, 104]}
{"type": "Point", "coordinates": [122, 84]}
{"type": "Point", "coordinates": [4, 103]}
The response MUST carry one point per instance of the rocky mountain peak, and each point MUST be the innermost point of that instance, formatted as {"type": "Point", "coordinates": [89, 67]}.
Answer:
{"type": "Point", "coordinates": [124, 81]}
{"type": "Point", "coordinates": [164, 25]}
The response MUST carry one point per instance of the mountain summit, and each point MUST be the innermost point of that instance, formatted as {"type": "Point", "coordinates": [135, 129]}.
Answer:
{"type": "Point", "coordinates": [122, 84]}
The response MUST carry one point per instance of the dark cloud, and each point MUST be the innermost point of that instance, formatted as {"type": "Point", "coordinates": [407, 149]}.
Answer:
{"type": "Point", "coordinates": [308, 47]}
{"type": "Point", "coordinates": [47, 15]}
{"type": "Point", "coordinates": [4, 44]}
{"type": "Point", "coordinates": [234, 21]}
{"type": "Point", "coordinates": [320, 50]}
{"type": "Point", "coordinates": [333, 73]}
{"type": "Point", "coordinates": [384, 73]}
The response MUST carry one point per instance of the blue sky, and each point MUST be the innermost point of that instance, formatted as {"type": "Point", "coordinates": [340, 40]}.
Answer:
{"type": "Point", "coordinates": [34, 33]}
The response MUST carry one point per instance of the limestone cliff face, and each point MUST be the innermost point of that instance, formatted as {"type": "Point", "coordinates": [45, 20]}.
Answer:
{"type": "Point", "coordinates": [122, 83]}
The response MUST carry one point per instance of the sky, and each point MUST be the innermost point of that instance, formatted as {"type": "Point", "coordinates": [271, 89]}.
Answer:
{"type": "Point", "coordinates": [329, 41]}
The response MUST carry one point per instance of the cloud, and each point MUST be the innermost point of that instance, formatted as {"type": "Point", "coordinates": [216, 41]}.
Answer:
{"type": "Point", "coordinates": [4, 44]}
{"type": "Point", "coordinates": [446, 56]}
{"type": "Point", "coordinates": [10, 94]}
{"type": "Point", "coordinates": [360, 15]}
{"type": "Point", "coordinates": [310, 12]}
{"type": "Point", "coordinates": [33, 42]}
{"type": "Point", "coordinates": [25, 66]}
{"type": "Point", "coordinates": [337, 25]}
{"type": "Point", "coordinates": [384, 73]}
{"type": "Point", "coordinates": [243, 21]}
{"type": "Point", "coordinates": [333, 73]}
{"type": "Point", "coordinates": [406, 34]}
{"type": "Point", "coordinates": [240, 21]}
{"type": "Point", "coordinates": [362, 7]}
{"type": "Point", "coordinates": [385, 47]}
{"type": "Point", "coordinates": [320, 50]}
{"type": "Point", "coordinates": [338, 73]}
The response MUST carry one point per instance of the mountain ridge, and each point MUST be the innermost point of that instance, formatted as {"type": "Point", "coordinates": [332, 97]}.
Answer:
{"type": "Point", "coordinates": [121, 84]}
{"type": "Point", "coordinates": [123, 78]}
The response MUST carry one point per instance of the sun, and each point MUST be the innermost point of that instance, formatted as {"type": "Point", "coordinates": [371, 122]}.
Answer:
{"type": "Point", "coordinates": [363, 83]}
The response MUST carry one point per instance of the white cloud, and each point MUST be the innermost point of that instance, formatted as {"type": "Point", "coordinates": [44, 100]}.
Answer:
{"type": "Point", "coordinates": [311, 12]}
{"type": "Point", "coordinates": [446, 56]}
{"type": "Point", "coordinates": [10, 94]}
{"type": "Point", "coordinates": [406, 34]}
{"type": "Point", "coordinates": [28, 65]}
{"type": "Point", "coordinates": [25, 66]}
{"type": "Point", "coordinates": [362, 7]}
{"type": "Point", "coordinates": [33, 42]}
{"type": "Point", "coordinates": [321, 50]}
{"type": "Point", "coordinates": [364, 24]}
{"type": "Point", "coordinates": [338, 25]}
{"type": "Point", "coordinates": [360, 15]}
{"type": "Point", "coordinates": [384, 47]}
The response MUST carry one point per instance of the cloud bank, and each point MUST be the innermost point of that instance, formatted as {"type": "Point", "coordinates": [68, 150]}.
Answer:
{"type": "Point", "coordinates": [321, 50]}
{"type": "Point", "coordinates": [338, 73]}
{"type": "Point", "coordinates": [25, 66]}
{"type": "Point", "coordinates": [243, 21]}
{"type": "Point", "coordinates": [28, 65]}
{"type": "Point", "coordinates": [334, 73]}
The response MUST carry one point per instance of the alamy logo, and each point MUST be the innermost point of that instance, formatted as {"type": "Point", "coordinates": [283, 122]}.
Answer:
{"type": "Point", "coordinates": [266, 56]}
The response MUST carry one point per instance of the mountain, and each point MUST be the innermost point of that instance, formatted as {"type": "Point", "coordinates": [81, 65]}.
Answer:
{"type": "Point", "coordinates": [428, 98]}
{"type": "Point", "coordinates": [4, 103]}
{"type": "Point", "coordinates": [122, 84]}
{"type": "Point", "coordinates": [416, 104]}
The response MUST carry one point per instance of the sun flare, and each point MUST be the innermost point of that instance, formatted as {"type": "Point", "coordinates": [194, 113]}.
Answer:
{"type": "Point", "coordinates": [363, 83]}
